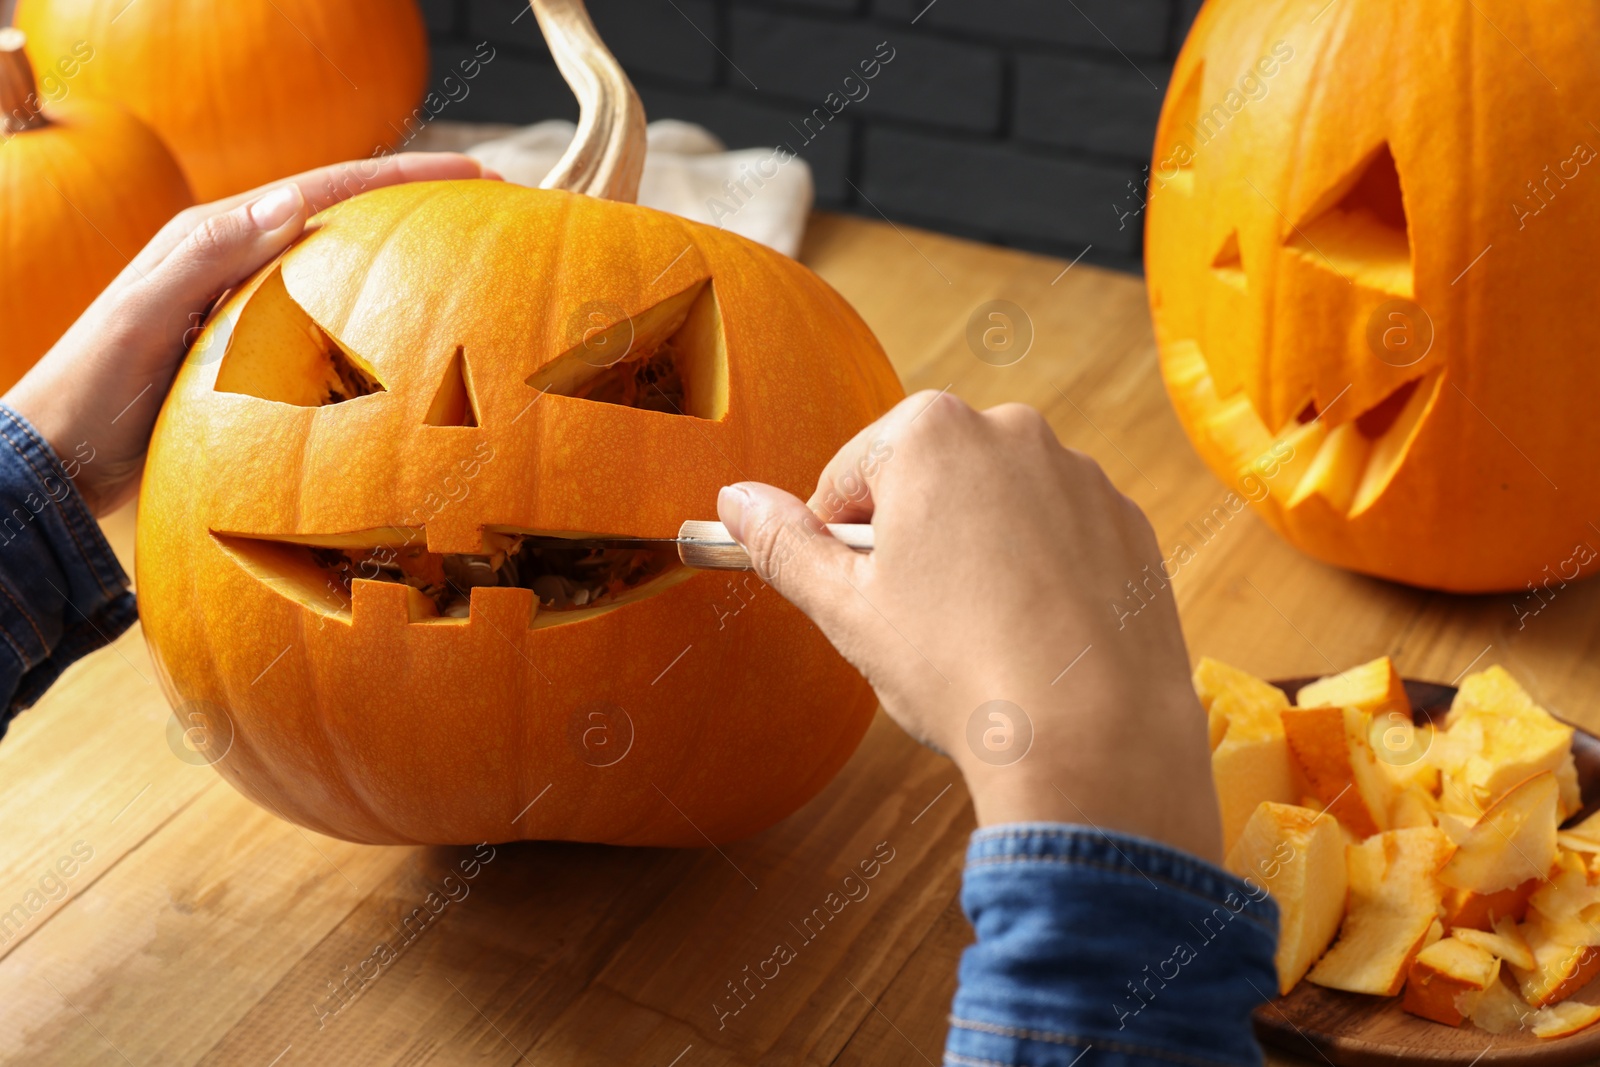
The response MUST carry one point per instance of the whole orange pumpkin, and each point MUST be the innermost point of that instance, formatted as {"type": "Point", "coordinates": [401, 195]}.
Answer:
{"type": "Point", "coordinates": [359, 566]}
{"type": "Point", "coordinates": [250, 90]}
{"type": "Point", "coordinates": [66, 230]}
{"type": "Point", "coordinates": [1370, 251]}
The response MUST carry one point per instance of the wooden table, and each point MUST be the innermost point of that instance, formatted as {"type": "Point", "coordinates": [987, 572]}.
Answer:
{"type": "Point", "coordinates": [201, 929]}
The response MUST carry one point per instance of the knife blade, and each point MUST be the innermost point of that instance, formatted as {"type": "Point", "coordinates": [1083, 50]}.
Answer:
{"type": "Point", "coordinates": [708, 546]}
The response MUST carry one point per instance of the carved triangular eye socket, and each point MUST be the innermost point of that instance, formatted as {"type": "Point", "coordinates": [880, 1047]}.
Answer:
{"type": "Point", "coordinates": [1227, 264]}
{"type": "Point", "coordinates": [277, 352]}
{"type": "Point", "coordinates": [454, 403]}
{"type": "Point", "coordinates": [671, 358]}
{"type": "Point", "coordinates": [1360, 229]}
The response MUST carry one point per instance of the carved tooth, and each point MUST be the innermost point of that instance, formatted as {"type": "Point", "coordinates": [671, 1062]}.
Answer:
{"type": "Point", "coordinates": [1390, 450]}
{"type": "Point", "coordinates": [1238, 431]}
{"type": "Point", "coordinates": [1336, 470]}
{"type": "Point", "coordinates": [1285, 473]}
{"type": "Point", "coordinates": [388, 604]}
{"type": "Point", "coordinates": [1184, 366]}
{"type": "Point", "coordinates": [507, 608]}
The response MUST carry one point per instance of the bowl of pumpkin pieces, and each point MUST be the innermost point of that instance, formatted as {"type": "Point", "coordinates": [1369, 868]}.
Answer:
{"type": "Point", "coordinates": [1434, 853]}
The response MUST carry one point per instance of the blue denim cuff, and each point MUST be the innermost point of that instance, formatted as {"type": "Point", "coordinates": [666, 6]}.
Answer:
{"type": "Point", "coordinates": [62, 592]}
{"type": "Point", "coordinates": [1103, 941]}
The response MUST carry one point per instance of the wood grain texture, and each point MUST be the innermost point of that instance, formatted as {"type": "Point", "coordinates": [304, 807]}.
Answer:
{"type": "Point", "coordinates": [206, 931]}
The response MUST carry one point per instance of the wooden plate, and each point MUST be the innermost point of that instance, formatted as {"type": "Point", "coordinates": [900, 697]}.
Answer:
{"type": "Point", "coordinates": [1354, 1030]}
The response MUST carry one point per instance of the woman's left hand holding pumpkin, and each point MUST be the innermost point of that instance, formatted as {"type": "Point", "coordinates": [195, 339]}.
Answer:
{"type": "Point", "coordinates": [99, 388]}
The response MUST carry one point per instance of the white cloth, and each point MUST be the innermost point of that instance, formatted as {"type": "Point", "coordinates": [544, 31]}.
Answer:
{"type": "Point", "coordinates": [761, 193]}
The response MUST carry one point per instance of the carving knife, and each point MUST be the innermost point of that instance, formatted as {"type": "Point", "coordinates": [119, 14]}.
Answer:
{"type": "Point", "coordinates": [708, 546]}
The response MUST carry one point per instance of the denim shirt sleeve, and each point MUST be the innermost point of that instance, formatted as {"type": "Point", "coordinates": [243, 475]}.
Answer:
{"type": "Point", "coordinates": [62, 592]}
{"type": "Point", "coordinates": [1091, 940]}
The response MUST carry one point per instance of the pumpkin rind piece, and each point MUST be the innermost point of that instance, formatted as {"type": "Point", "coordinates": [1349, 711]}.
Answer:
{"type": "Point", "coordinates": [1374, 687]}
{"type": "Point", "coordinates": [1250, 766]}
{"type": "Point", "coordinates": [1298, 855]}
{"type": "Point", "coordinates": [1330, 747]}
{"type": "Point", "coordinates": [1513, 842]}
{"type": "Point", "coordinates": [1446, 980]}
{"type": "Point", "coordinates": [1566, 959]}
{"type": "Point", "coordinates": [1393, 908]}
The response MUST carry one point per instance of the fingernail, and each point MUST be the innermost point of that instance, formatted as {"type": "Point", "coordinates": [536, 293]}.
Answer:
{"type": "Point", "coordinates": [732, 502]}
{"type": "Point", "coordinates": [271, 210]}
{"type": "Point", "coordinates": [493, 175]}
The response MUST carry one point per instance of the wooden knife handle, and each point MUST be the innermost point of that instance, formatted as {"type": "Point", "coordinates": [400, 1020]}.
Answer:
{"type": "Point", "coordinates": [708, 546]}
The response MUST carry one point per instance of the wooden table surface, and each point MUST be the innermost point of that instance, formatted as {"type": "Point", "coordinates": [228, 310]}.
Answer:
{"type": "Point", "coordinates": [197, 928]}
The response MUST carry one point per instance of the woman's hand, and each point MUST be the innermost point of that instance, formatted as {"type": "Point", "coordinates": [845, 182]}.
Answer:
{"type": "Point", "coordinates": [1001, 564]}
{"type": "Point", "coordinates": [98, 390]}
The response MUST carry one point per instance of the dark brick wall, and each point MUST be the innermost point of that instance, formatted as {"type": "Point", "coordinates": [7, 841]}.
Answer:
{"type": "Point", "coordinates": [1022, 122]}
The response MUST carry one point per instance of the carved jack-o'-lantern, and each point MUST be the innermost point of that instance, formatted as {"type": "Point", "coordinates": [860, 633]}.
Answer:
{"type": "Point", "coordinates": [360, 557]}
{"type": "Point", "coordinates": [1370, 250]}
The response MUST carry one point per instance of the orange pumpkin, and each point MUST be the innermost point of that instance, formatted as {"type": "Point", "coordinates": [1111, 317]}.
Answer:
{"type": "Point", "coordinates": [250, 90]}
{"type": "Point", "coordinates": [67, 230]}
{"type": "Point", "coordinates": [1370, 251]}
{"type": "Point", "coordinates": [357, 566]}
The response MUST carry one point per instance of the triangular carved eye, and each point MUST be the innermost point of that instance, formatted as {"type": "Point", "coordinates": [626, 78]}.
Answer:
{"type": "Point", "coordinates": [1227, 264]}
{"type": "Point", "coordinates": [277, 352]}
{"type": "Point", "coordinates": [453, 403]}
{"type": "Point", "coordinates": [670, 358]}
{"type": "Point", "coordinates": [1360, 229]}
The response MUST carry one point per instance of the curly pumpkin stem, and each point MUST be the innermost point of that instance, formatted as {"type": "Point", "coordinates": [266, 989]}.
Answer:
{"type": "Point", "coordinates": [19, 96]}
{"type": "Point", "coordinates": [606, 156]}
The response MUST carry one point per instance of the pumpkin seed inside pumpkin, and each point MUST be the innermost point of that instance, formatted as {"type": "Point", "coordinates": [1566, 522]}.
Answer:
{"type": "Point", "coordinates": [654, 382]}
{"type": "Point", "coordinates": [564, 576]}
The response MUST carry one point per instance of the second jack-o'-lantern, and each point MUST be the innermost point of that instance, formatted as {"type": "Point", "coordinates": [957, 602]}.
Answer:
{"type": "Point", "coordinates": [357, 558]}
{"type": "Point", "coordinates": [1370, 251]}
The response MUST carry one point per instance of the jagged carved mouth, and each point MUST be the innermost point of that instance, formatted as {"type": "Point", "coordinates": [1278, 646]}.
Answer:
{"type": "Point", "coordinates": [565, 577]}
{"type": "Point", "coordinates": [1354, 461]}
{"type": "Point", "coordinates": [1375, 422]}
{"type": "Point", "coordinates": [1346, 457]}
